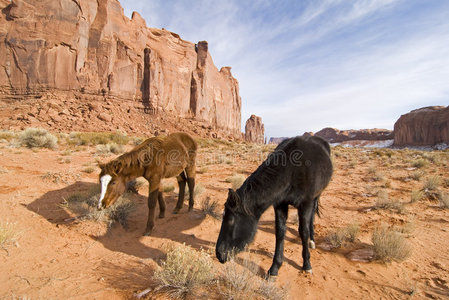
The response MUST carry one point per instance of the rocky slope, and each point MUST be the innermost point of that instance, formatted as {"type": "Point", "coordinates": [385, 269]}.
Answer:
{"type": "Point", "coordinates": [337, 136]}
{"type": "Point", "coordinates": [87, 51]}
{"type": "Point", "coordinates": [254, 130]}
{"type": "Point", "coordinates": [426, 126]}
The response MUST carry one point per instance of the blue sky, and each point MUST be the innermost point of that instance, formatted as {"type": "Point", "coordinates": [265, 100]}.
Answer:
{"type": "Point", "coordinates": [309, 64]}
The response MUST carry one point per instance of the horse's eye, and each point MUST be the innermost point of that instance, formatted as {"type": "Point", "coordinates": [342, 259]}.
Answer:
{"type": "Point", "coordinates": [112, 182]}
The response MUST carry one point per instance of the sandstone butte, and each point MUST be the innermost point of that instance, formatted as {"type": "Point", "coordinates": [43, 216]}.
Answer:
{"type": "Point", "coordinates": [83, 65]}
{"type": "Point", "coordinates": [427, 126]}
{"type": "Point", "coordinates": [254, 130]}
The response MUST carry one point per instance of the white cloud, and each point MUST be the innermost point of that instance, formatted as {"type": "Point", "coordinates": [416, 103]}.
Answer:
{"type": "Point", "coordinates": [305, 65]}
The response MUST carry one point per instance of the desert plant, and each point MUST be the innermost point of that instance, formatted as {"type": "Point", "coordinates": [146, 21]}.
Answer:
{"type": "Point", "coordinates": [384, 202]}
{"type": "Point", "coordinates": [416, 196]}
{"type": "Point", "coordinates": [390, 245]}
{"type": "Point", "coordinates": [236, 180]}
{"type": "Point", "coordinates": [210, 208]}
{"type": "Point", "coordinates": [417, 175]}
{"type": "Point", "coordinates": [109, 148]}
{"type": "Point", "coordinates": [168, 188]}
{"type": "Point", "coordinates": [446, 182]}
{"type": "Point", "coordinates": [8, 234]}
{"type": "Point", "coordinates": [183, 271]}
{"type": "Point", "coordinates": [7, 135]}
{"type": "Point", "coordinates": [240, 281]}
{"type": "Point", "coordinates": [444, 200]}
{"type": "Point", "coordinates": [432, 183]}
{"type": "Point", "coordinates": [84, 205]}
{"type": "Point", "coordinates": [97, 138]}
{"type": "Point", "coordinates": [37, 138]}
{"type": "Point", "coordinates": [419, 163]}
{"type": "Point", "coordinates": [88, 170]}
{"type": "Point", "coordinates": [342, 236]}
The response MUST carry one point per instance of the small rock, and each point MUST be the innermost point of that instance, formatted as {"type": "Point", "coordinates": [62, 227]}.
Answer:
{"type": "Point", "coordinates": [362, 255]}
{"type": "Point", "coordinates": [104, 117]}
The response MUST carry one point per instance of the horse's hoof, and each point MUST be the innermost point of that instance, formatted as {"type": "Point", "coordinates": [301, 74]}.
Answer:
{"type": "Point", "coordinates": [271, 278]}
{"type": "Point", "coordinates": [147, 233]}
{"type": "Point", "coordinates": [161, 216]}
{"type": "Point", "coordinates": [309, 271]}
{"type": "Point", "coordinates": [311, 244]}
{"type": "Point", "coordinates": [176, 211]}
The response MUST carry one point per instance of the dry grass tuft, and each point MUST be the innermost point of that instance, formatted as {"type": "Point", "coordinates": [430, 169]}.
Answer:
{"type": "Point", "coordinates": [8, 234]}
{"type": "Point", "coordinates": [390, 245]}
{"type": "Point", "coordinates": [342, 236]}
{"type": "Point", "coordinates": [97, 138]}
{"type": "Point", "coordinates": [384, 202]}
{"type": "Point", "coordinates": [432, 183]}
{"type": "Point", "coordinates": [37, 138]}
{"type": "Point", "coordinates": [417, 175]}
{"type": "Point", "coordinates": [240, 281]}
{"type": "Point", "coordinates": [444, 200]}
{"type": "Point", "coordinates": [88, 170]}
{"type": "Point", "coordinates": [183, 272]}
{"type": "Point", "coordinates": [210, 208]}
{"type": "Point", "coordinates": [84, 206]}
{"type": "Point", "coordinates": [416, 196]}
{"type": "Point", "coordinates": [236, 180]}
{"type": "Point", "coordinates": [108, 149]}
{"type": "Point", "coordinates": [419, 163]}
{"type": "Point", "coordinates": [7, 135]}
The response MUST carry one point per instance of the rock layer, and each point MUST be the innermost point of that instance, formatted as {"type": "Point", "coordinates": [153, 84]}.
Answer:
{"type": "Point", "coordinates": [333, 135]}
{"type": "Point", "coordinates": [426, 126]}
{"type": "Point", "coordinates": [90, 50]}
{"type": "Point", "coordinates": [254, 130]}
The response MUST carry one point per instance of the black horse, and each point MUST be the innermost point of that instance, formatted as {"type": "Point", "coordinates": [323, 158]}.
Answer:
{"type": "Point", "coordinates": [296, 173]}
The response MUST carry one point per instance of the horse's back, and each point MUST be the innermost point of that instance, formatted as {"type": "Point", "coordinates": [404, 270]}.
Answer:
{"type": "Point", "coordinates": [183, 139]}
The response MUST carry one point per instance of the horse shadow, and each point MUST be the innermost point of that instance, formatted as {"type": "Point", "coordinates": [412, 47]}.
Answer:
{"type": "Point", "coordinates": [116, 238]}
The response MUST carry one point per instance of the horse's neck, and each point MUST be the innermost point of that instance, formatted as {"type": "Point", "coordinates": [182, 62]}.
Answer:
{"type": "Point", "coordinates": [132, 173]}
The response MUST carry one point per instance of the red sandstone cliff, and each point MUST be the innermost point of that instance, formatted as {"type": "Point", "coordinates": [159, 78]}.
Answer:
{"type": "Point", "coordinates": [426, 126]}
{"type": "Point", "coordinates": [333, 135]}
{"type": "Point", "coordinates": [254, 130]}
{"type": "Point", "coordinates": [88, 51]}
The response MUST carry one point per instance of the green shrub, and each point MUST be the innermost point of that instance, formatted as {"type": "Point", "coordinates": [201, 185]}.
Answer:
{"type": "Point", "coordinates": [37, 138]}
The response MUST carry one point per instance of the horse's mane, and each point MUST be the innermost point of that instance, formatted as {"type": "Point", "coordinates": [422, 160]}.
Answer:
{"type": "Point", "coordinates": [136, 157]}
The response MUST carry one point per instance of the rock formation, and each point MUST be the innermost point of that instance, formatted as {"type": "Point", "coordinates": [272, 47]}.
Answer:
{"type": "Point", "coordinates": [333, 135]}
{"type": "Point", "coordinates": [426, 126]}
{"type": "Point", "coordinates": [88, 51]}
{"type": "Point", "coordinates": [254, 130]}
{"type": "Point", "coordinates": [276, 140]}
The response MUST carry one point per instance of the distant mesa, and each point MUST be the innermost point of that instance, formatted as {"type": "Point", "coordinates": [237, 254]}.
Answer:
{"type": "Point", "coordinates": [254, 130]}
{"type": "Point", "coordinates": [333, 135]}
{"type": "Point", "coordinates": [427, 126]}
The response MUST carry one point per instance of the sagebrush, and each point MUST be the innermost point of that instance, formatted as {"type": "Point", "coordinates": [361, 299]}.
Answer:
{"type": "Point", "coordinates": [37, 138]}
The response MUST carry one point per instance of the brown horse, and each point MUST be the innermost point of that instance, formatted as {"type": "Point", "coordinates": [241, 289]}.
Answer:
{"type": "Point", "coordinates": [154, 159]}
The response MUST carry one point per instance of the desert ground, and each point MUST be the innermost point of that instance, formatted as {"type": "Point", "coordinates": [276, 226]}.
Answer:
{"type": "Point", "coordinates": [48, 253]}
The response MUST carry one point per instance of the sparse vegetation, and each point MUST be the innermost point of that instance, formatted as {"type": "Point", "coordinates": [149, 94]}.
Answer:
{"type": "Point", "coordinates": [390, 245]}
{"type": "Point", "coordinates": [8, 234]}
{"type": "Point", "coordinates": [168, 188]}
{"type": "Point", "coordinates": [342, 236]}
{"type": "Point", "coordinates": [84, 206]}
{"type": "Point", "coordinates": [88, 170]}
{"type": "Point", "coordinates": [37, 138]}
{"type": "Point", "coordinates": [444, 200]}
{"type": "Point", "coordinates": [183, 271]}
{"type": "Point", "coordinates": [384, 202]}
{"type": "Point", "coordinates": [7, 135]}
{"type": "Point", "coordinates": [419, 163]}
{"type": "Point", "coordinates": [417, 175]}
{"type": "Point", "coordinates": [375, 174]}
{"type": "Point", "coordinates": [97, 138]}
{"type": "Point", "coordinates": [210, 208]}
{"type": "Point", "coordinates": [432, 183]}
{"type": "Point", "coordinates": [240, 281]}
{"type": "Point", "coordinates": [416, 196]}
{"type": "Point", "coordinates": [109, 148]}
{"type": "Point", "coordinates": [236, 180]}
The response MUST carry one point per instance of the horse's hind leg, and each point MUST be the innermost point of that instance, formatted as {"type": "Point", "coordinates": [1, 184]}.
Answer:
{"type": "Point", "coordinates": [191, 172]}
{"type": "Point", "coordinates": [305, 216]}
{"type": "Point", "coordinates": [182, 188]}
{"type": "Point", "coordinates": [312, 221]}
{"type": "Point", "coordinates": [161, 205]}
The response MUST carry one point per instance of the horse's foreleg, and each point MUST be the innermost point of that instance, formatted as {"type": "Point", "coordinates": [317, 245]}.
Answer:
{"type": "Point", "coordinates": [160, 198]}
{"type": "Point", "coordinates": [152, 199]}
{"type": "Point", "coordinates": [191, 183]}
{"type": "Point", "coordinates": [182, 188]}
{"type": "Point", "coordinates": [281, 214]}
{"type": "Point", "coordinates": [306, 211]}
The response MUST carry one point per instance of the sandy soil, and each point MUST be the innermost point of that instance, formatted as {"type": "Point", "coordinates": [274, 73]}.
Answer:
{"type": "Point", "coordinates": [55, 258]}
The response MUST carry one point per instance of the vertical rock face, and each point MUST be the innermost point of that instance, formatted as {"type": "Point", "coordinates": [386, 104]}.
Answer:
{"type": "Point", "coordinates": [254, 130]}
{"type": "Point", "coordinates": [89, 47]}
{"type": "Point", "coordinates": [426, 126]}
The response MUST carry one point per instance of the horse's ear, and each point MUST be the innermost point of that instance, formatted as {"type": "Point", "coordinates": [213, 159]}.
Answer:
{"type": "Point", "coordinates": [233, 198]}
{"type": "Point", "coordinates": [118, 166]}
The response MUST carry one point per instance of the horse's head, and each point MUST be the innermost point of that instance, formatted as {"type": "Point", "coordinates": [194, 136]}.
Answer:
{"type": "Point", "coordinates": [237, 228]}
{"type": "Point", "coordinates": [112, 184]}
